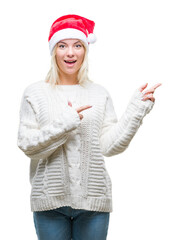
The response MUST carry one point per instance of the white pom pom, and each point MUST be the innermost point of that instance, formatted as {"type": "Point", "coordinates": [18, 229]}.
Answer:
{"type": "Point", "coordinates": [91, 38]}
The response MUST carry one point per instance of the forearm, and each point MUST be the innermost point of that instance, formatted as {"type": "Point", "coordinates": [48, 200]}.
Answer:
{"type": "Point", "coordinates": [39, 143]}
{"type": "Point", "coordinates": [118, 136]}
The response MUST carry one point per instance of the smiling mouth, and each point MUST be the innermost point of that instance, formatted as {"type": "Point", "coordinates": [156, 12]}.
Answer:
{"type": "Point", "coordinates": [70, 62]}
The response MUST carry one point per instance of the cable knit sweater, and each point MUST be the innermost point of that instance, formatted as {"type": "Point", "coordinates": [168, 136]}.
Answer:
{"type": "Point", "coordinates": [67, 166]}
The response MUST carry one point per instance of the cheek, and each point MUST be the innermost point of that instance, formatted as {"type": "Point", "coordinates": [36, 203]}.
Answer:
{"type": "Point", "coordinates": [59, 56]}
{"type": "Point", "coordinates": [81, 56]}
{"type": "Point", "coordinates": [59, 60]}
{"type": "Point", "coordinates": [80, 62]}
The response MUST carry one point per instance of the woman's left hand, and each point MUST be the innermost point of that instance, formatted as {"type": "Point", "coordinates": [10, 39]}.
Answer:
{"type": "Point", "coordinates": [148, 94]}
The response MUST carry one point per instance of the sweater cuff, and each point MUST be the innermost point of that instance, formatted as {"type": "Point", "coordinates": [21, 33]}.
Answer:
{"type": "Point", "coordinates": [69, 118]}
{"type": "Point", "coordinates": [140, 106]}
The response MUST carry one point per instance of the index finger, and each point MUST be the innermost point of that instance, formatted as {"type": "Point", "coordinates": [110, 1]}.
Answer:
{"type": "Point", "coordinates": [156, 85]}
{"type": "Point", "coordinates": [83, 108]}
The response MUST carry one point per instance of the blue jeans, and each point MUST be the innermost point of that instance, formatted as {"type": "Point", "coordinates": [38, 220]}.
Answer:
{"type": "Point", "coordinates": [66, 223]}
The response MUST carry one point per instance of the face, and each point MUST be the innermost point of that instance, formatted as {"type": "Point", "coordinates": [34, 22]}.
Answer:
{"type": "Point", "coordinates": [69, 56]}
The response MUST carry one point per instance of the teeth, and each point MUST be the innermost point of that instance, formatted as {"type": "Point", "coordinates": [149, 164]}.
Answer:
{"type": "Point", "coordinates": [70, 61]}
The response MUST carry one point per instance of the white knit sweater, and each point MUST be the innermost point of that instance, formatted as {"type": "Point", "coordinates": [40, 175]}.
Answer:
{"type": "Point", "coordinates": [67, 154]}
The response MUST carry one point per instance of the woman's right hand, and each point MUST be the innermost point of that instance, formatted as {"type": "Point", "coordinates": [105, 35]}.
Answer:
{"type": "Point", "coordinates": [80, 109]}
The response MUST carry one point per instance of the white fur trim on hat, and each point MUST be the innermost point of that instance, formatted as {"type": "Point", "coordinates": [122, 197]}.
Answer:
{"type": "Point", "coordinates": [91, 38]}
{"type": "Point", "coordinates": [66, 34]}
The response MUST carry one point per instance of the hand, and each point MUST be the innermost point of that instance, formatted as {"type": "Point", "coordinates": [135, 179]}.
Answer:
{"type": "Point", "coordinates": [80, 109]}
{"type": "Point", "coordinates": [148, 94]}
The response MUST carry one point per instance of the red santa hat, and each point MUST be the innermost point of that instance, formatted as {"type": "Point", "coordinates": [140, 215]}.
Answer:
{"type": "Point", "coordinates": [71, 26]}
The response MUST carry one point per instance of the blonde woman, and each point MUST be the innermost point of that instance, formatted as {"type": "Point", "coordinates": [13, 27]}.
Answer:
{"type": "Point", "coordinates": [67, 125]}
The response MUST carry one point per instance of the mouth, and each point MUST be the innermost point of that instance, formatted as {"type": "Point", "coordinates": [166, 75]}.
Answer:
{"type": "Point", "coordinates": [70, 62]}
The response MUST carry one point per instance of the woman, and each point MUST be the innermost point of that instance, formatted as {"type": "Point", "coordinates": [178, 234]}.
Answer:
{"type": "Point", "coordinates": [67, 126]}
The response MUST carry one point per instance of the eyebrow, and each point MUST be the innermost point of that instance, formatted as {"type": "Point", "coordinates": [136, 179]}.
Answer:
{"type": "Point", "coordinates": [66, 43]}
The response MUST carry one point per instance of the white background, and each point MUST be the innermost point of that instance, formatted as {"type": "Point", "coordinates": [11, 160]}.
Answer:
{"type": "Point", "coordinates": [138, 43]}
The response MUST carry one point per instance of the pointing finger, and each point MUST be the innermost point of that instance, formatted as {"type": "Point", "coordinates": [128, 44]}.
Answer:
{"type": "Point", "coordinates": [152, 89]}
{"type": "Point", "coordinates": [156, 85]}
{"type": "Point", "coordinates": [83, 108]}
{"type": "Point", "coordinates": [143, 87]}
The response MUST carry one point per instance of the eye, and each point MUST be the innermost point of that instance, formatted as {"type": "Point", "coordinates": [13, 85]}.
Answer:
{"type": "Point", "coordinates": [61, 46]}
{"type": "Point", "coordinates": [78, 45]}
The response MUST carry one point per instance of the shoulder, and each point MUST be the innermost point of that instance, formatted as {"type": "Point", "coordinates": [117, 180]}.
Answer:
{"type": "Point", "coordinates": [33, 88]}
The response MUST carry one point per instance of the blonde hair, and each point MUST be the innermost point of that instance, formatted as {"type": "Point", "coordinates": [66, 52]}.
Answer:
{"type": "Point", "coordinates": [53, 74]}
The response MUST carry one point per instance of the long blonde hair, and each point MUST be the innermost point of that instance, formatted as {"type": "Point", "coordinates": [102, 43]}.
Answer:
{"type": "Point", "coordinates": [53, 74]}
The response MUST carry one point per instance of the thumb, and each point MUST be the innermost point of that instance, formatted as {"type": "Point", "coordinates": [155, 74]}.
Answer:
{"type": "Point", "coordinates": [69, 103]}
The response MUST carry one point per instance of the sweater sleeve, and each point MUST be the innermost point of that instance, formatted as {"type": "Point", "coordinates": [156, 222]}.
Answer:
{"type": "Point", "coordinates": [115, 136]}
{"type": "Point", "coordinates": [39, 143]}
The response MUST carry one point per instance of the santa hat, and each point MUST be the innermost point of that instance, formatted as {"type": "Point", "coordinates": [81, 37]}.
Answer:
{"type": "Point", "coordinates": [71, 26]}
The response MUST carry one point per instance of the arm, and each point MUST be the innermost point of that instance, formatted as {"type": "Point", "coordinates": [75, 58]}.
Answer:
{"type": "Point", "coordinates": [39, 143]}
{"type": "Point", "coordinates": [115, 136]}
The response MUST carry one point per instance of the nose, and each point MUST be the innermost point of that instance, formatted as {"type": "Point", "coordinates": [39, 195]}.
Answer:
{"type": "Point", "coordinates": [70, 51]}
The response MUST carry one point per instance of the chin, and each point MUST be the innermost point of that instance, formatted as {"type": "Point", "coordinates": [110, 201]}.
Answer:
{"type": "Point", "coordinates": [71, 72]}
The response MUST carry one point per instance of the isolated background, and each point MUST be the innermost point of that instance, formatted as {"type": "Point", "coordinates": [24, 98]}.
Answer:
{"type": "Point", "coordinates": [137, 43]}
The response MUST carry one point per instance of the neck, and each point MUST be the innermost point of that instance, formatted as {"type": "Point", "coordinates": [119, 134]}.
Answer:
{"type": "Point", "coordinates": [66, 79]}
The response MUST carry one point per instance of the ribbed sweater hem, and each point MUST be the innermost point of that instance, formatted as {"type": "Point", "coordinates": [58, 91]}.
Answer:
{"type": "Point", "coordinates": [76, 202]}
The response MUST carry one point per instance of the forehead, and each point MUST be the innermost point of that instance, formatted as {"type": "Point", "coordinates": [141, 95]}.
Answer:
{"type": "Point", "coordinates": [70, 40]}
